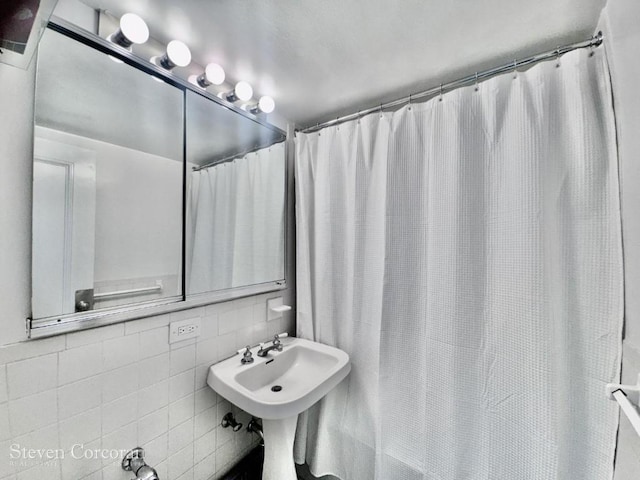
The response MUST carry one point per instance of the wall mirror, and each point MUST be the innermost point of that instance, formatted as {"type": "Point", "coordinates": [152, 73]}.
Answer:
{"type": "Point", "coordinates": [236, 200]}
{"type": "Point", "coordinates": [147, 196]}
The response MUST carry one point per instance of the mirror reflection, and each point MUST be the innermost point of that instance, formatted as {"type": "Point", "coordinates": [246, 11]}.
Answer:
{"type": "Point", "coordinates": [236, 199]}
{"type": "Point", "coordinates": [108, 182]}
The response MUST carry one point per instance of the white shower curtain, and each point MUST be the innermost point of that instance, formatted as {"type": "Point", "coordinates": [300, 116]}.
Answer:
{"type": "Point", "coordinates": [236, 226]}
{"type": "Point", "coordinates": [466, 253]}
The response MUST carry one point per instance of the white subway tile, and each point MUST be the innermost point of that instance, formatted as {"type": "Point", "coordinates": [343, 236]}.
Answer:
{"type": "Point", "coordinates": [93, 476]}
{"type": "Point", "coordinates": [260, 312]}
{"type": "Point", "coordinates": [82, 462]}
{"type": "Point", "coordinates": [150, 323]}
{"type": "Point", "coordinates": [224, 435]}
{"type": "Point", "coordinates": [78, 397]}
{"type": "Point", "coordinates": [180, 462]}
{"type": "Point", "coordinates": [188, 475]}
{"type": "Point", "coordinates": [182, 359]}
{"type": "Point", "coordinates": [94, 335]}
{"type": "Point", "coordinates": [185, 314]}
{"type": "Point", "coordinates": [34, 375]}
{"type": "Point", "coordinates": [227, 345]}
{"type": "Point", "coordinates": [245, 317]}
{"type": "Point", "coordinates": [82, 428]}
{"type": "Point", "coordinates": [206, 468]}
{"type": "Point", "coordinates": [205, 446]}
{"type": "Point", "coordinates": [120, 382]}
{"type": "Point", "coordinates": [180, 436]}
{"type": "Point", "coordinates": [119, 413]}
{"type": "Point", "coordinates": [181, 385]}
{"type": "Point", "coordinates": [153, 425]}
{"type": "Point", "coordinates": [209, 326]}
{"type": "Point", "coordinates": [6, 462]}
{"type": "Point", "coordinates": [155, 451]}
{"type": "Point", "coordinates": [79, 363]}
{"type": "Point", "coordinates": [113, 471]}
{"type": "Point", "coordinates": [48, 470]}
{"type": "Point", "coordinates": [115, 443]}
{"type": "Point", "coordinates": [119, 352]}
{"type": "Point", "coordinates": [34, 412]}
{"type": "Point", "coordinates": [201, 376]}
{"type": "Point", "coordinates": [206, 421]}
{"type": "Point", "coordinates": [228, 322]}
{"type": "Point", "coordinates": [5, 432]}
{"type": "Point", "coordinates": [153, 370]}
{"type": "Point", "coordinates": [154, 342]}
{"type": "Point", "coordinates": [3, 384]}
{"type": "Point", "coordinates": [44, 440]}
{"type": "Point", "coordinates": [33, 348]}
{"type": "Point", "coordinates": [153, 398]}
{"type": "Point", "coordinates": [205, 398]}
{"type": "Point", "coordinates": [225, 455]}
{"type": "Point", "coordinates": [181, 410]}
{"type": "Point", "coordinates": [207, 352]}
{"type": "Point", "coordinates": [183, 343]}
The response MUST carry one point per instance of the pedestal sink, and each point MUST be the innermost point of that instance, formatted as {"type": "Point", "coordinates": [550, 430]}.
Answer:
{"type": "Point", "coordinates": [277, 388]}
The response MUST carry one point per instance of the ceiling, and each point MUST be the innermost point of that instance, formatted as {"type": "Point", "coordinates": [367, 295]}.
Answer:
{"type": "Point", "coordinates": [324, 58]}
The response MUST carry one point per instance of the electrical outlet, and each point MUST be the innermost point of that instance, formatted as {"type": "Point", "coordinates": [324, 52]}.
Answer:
{"type": "Point", "coordinates": [184, 329]}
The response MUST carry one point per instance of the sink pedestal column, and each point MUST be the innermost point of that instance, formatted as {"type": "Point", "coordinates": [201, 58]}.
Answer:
{"type": "Point", "coordinates": [278, 448]}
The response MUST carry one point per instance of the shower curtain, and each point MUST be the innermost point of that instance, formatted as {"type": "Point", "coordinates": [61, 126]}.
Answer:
{"type": "Point", "coordinates": [466, 253]}
{"type": "Point", "coordinates": [236, 229]}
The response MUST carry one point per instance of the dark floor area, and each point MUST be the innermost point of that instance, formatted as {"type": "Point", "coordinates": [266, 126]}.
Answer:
{"type": "Point", "coordinates": [250, 468]}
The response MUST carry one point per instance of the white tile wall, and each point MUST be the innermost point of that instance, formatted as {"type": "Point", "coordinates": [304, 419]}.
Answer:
{"type": "Point", "coordinates": [121, 386]}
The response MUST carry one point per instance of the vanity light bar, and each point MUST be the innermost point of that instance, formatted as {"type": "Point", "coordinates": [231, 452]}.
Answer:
{"type": "Point", "coordinates": [134, 30]}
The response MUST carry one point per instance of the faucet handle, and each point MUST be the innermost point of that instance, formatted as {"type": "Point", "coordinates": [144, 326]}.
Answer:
{"type": "Point", "coordinates": [247, 357]}
{"type": "Point", "coordinates": [278, 336]}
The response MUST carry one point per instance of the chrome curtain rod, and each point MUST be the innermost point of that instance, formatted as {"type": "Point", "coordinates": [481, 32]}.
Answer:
{"type": "Point", "coordinates": [230, 158]}
{"type": "Point", "coordinates": [593, 42]}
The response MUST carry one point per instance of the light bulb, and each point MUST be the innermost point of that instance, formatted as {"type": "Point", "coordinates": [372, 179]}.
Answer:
{"type": "Point", "coordinates": [133, 29]}
{"type": "Point", "coordinates": [178, 53]}
{"type": "Point", "coordinates": [243, 91]}
{"type": "Point", "coordinates": [213, 75]}
{"type": "Point", "coordinates": [266, 104]}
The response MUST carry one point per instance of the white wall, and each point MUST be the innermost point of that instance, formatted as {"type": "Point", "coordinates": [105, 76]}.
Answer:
{"type": "Point", "coordinates": [621, 26]}
{"type": "Point", "coordinates": [138, 210]}
{"type": "Point", "coordinates": [118, 386]}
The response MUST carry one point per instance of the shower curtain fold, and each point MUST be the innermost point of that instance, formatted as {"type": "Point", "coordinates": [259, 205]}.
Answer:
{"type": "Point", "coordinates": [236, 222]}
{"type": "Point", "coordinates": [466, 253]}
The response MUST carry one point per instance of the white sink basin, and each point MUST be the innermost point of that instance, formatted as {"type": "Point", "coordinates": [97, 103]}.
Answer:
{"type": "Point", "coordinates": [282, 384]}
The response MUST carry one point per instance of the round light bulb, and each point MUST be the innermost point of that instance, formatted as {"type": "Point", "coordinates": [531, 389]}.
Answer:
{"type": "Point", "coordinates": [266, 104]}
{"type": "Point", "coordinates": [134, 28]}
{"type": "Point", "coordinates": [214, 73]}
{"type": "Point", "coordinates": [178, 53]}
{"type": "Point", "coordinates": [243, 91]}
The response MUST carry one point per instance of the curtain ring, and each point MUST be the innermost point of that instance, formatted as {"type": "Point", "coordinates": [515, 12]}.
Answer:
{"type": "Point", "coordinates": [558, 57]}
{"type": "Point", "coordinates": [515, 68]}
{"type": "Point", "coordinates": [440, 93]}
{"type": "Point", "coordinates": [476, 82]}
{"type": "Point", "coordinates": [409, 102]}
{"type": "Point", "coordinates": [380, 110]}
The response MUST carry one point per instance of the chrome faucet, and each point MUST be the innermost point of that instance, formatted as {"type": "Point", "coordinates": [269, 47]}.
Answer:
{"type": "Point", "coordinates": [277, 345]}
{"type": "Point", "coordinates": [134, 462]}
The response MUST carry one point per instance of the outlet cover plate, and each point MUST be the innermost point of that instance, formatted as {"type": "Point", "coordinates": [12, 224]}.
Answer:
{"type": "Point", "coordinates": [184, 329]}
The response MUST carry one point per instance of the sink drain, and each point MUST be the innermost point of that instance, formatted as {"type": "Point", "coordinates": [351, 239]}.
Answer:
{"type": "Point", "coordinates": [276, 388]}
